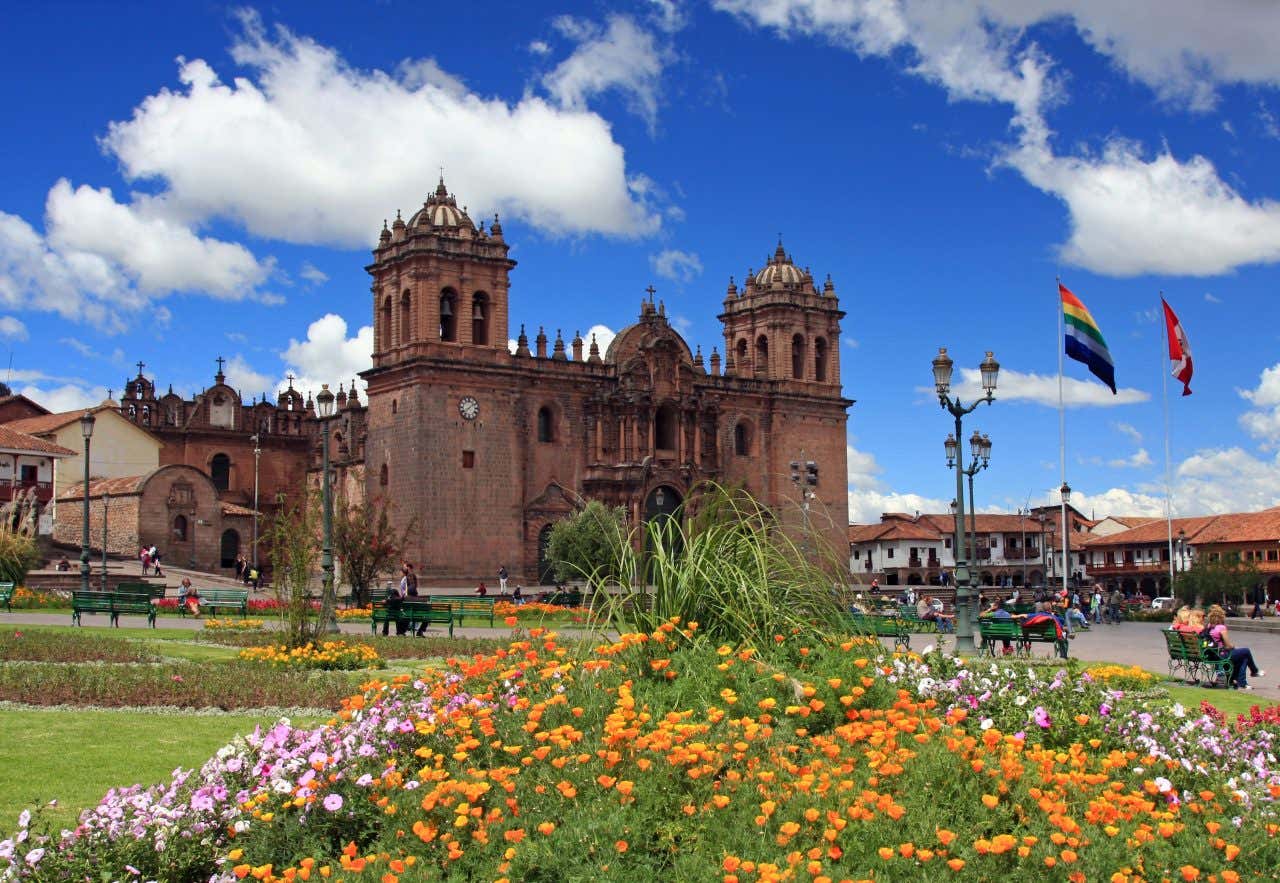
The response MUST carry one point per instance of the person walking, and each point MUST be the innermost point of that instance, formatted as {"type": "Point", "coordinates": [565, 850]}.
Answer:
{"type": "Point", "coordinates": [239, 568]}
{"type": "Point", "coordinates": [145, 557]}
{"type": "Point", "coordinates": [1095, 604]}
{"type": "Point", "coordinates": [1258, 600]}
{"type": "Point", "coordinates": [155, 562]}
{"type": "Point", "coordinates": [502, 579]}
{"type": "Point", "coordinates": [1114, 605]}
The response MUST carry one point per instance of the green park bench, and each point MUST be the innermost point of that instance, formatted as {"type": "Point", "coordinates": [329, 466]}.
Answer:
{"type": "Point", "coordinates": [413, 613]}
{"type": "Point", "coordinates": [148, 590]}
{"type": "Point", "coordinates": [1197, 660]}
{"type": "Point", "coordinates": [215, 599]}
{"type": "Point", "coordinates": [999, 630]}
{"type": "Point", "coordinates": [113, 604]}
{"type": "Point", "coordinates": [7, 591]}
{"type": "Point", "coordinates": [463, 605]}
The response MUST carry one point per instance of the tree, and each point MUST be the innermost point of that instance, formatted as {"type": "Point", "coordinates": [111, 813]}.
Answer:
{"type": "Point", "coordinates": [585, 544]}
{"type": "Point", "coordinates": [292, 535]}
{"type": "Point", "coordinates": [366, 543]}
{"type": "Point", "coordinates": [1226, 579]}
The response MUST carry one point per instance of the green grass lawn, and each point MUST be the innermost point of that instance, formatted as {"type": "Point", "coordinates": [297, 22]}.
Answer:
{"type": "Point", "coordinates": [1229, 702]}
{"type": "Point", "coordinates": [76, 756]}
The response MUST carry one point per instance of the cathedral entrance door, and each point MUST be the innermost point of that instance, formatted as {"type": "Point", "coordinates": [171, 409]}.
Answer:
{"type": "Point", "coordinates": [230, 548]}
{"type": "Point", "coordinates": [545, 575]}
{"type": "Point", "coordinates": [660, 509]}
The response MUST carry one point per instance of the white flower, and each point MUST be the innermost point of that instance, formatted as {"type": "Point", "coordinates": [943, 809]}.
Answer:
{"type": "Point", "coordinates": [24, 818]}
{"type": "Point", "coordinates": [987, 723]}
{"type": "Point", "coordinates": [282, 786]}
{"type": "Point", "coordinates": [1020, 701]}
{"type": "Point", "coordinates": [34, 856]}
{"type": "Point", "coordinates": [1163, 784]}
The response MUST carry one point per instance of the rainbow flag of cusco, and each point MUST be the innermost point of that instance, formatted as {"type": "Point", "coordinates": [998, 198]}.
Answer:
{"type": "Point", "coordinates": [1084, 339]}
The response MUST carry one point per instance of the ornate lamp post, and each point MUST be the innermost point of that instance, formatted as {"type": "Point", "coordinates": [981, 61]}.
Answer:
{"type": "Point", "coordinates": [257, 452]}
{"type": "Point", "coordinates": [86, 429]}
{"type": "Point", "coordinates": [942, 366]}
{"type": "Point", "coordinates": [328, 617]}
{"type": "Point", "coordinates": [1065, 491]}
{"type": "Point", "coordinates": [980, 453]}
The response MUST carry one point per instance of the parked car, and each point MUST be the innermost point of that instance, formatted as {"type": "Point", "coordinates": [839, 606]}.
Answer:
{"type": "Point", "coordinates": [1161, 603]}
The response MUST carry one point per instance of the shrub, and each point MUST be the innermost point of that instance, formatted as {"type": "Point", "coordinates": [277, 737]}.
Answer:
{"type": "Point", "coordinates": [18, 556]}
{"type": "Point", "coordinates": [26, 599]}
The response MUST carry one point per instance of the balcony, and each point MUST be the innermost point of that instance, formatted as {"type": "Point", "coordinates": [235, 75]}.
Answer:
{"type": "Point", "coordinates": [1014, 554]}
{"type": "Point", "coordinates": [1130, 567]}
{"type": "Point", "coordinates": [919, 562]}
{"type": "Point", "coordinates": [12, 490]}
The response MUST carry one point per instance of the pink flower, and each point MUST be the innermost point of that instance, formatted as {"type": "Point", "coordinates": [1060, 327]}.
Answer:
{"type": "Point", "coordinates": [333, 802]}
{"type": "Point", "coordinates": [1041, 717]}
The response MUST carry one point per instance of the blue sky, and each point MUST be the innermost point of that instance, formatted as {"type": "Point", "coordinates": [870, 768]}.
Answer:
{"type": "Point", "coordinates": [187, 181]}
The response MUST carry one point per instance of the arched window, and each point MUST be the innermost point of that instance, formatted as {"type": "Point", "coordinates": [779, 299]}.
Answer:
{"type": "Point", "coordinates": [762, 355]}
{"type": "Point", "coordinates": [229, 547]}
{"type": "Point", "coordinates": [665, 424]}
{"type": "Point", "coordinates": [386, 324]}
{"type": "Point", "coordinates": [742, 439]}
{"type": "Point", "coordinates": [480, 319]}
{"type": "Point", "coordinates": [382, 475]}
{"type": "Point", "coordinates": [546, 425]}
{"type": "Point", "coordinates": [406, 317]}
{"type": "Point", "coordinates": [394, 406]}
{"type": "Point", "coordinates": [797, 357]}
{"type": "Point", "coordinates": [180, 528]}
{"type": "Point", "coordinates": [448, 315]}
{"type": "Point", "coordinates": [820, 360]}
{"type": "Point", "coordinates": [742, 354]}
{"type": "Point", "coordinates": [220, 471]}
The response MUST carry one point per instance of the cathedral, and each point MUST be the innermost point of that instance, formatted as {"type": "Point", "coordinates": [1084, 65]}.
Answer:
{"type": "Point", "coordinates": [488, 448]}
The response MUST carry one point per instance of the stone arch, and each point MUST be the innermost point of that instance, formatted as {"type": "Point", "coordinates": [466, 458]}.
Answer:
{"type": "Point", "coordinates": [797, 357]}
{"type": "Point", "coordinates": [448, 315]}
{"type": "Point", "coordinates": [387, 337]}
{"type": "Point", "coordinates": [220, 471]}
{"type": "Point", "coordinates": [480, 319]}
{"type": "Point", "coordinates": [742, 357]}
{"type": "Point", "coordinates": [820, 359]}
{"type": "Point", "coordinates": [762, 354]}
{"type": "Point", "coordinates": [180, 529]}
{"type": "Point", "coordinates": [406, 316]}
{"type": "Point", "coordinates": [743, 436]}
{"type": "Point", "coordinates": [914, 579]}
{"type": "Point", "coordinates": [229, 547]}
{"type": "Point", "coordinates": [547, 424]}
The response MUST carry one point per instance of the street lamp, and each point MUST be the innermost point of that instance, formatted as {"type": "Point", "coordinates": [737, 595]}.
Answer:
{"type": "Point", "coordinates": [328, 617]}
{"type": "Point", "coordinates": [942, 368]}
{"type": "Point", "coordinates": [1182, 549]}
{"type": "Point", "coordinates": [1044, 550]}
{"type": "Point", "coordinates": [1065, 492]}
{"type": "Point", "coordinates": [1022, 527]}
{"type": "Point", "coordinates": [980, 450]}
{"type": "Point", "coordinates": [257, 452]}
{"type": "Point", "coordinates": [86, 429]}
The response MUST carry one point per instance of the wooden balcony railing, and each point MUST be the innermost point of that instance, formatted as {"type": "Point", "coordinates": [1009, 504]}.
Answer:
{"type": "Point", "coordinates": [11, 490]}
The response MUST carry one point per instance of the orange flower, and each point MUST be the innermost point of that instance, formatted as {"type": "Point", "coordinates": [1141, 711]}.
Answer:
{"type": "Point", "coordinates": [990, 801]}
{"type": "Point", "coordinates": [955, 864]}
{"type": "Point", "coordinates": [945, 837]}
{"type": "Point", "coordinates": [1069, 856]}
{"type": "Point", "coordinates": [621, 846]}
{"type": "Point", "coordinates": [510, 621]}
{"type": "Point", "coordinates": [1190, 872]}
{"type": "Point", "coordinates": [886, 853]}
{"type": "Point", "coordinates": [546, 827]}
{"type": "Point", "coordinates": [515, 835]}
{"type": "Point", "coordinates": [731, 863]}
{"type": "Point", "coordinates": [1231, 851]}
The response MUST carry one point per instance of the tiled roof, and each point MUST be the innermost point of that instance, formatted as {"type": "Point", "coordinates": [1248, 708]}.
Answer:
{"type": "Point", "coordinates": [234, 509]}
{"type": "Point", "coordinates": [49, 422]}
{"type": "Point", "coordinates": [110, 486]}
{"type": "Point", "coordinates": [1238, 527]}
{"type": "Point", "coordinates": [15, 440]}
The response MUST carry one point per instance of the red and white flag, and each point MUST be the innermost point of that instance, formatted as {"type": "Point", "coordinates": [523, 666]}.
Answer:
{"type": "Point", "coordinates": [1179, 349]}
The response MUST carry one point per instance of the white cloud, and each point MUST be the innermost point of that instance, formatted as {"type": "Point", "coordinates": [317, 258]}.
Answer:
{"type": "Point", "coordinates": [1263, 421]}
{"type": "Point", "coordinates": [669, 15]}
{"type": "Point", "coordinates": [313, 274]}
{"type": "Point", "coordinates": [868, 498]}
{"type": "Point", "coordinates": [1128, 430]}
{"type": "Point", "coordinates": [305, 148]}
{"type": "Point", "coordinates": [621, 57]}
{"type": "Point", "coordinates": [851, 342]}
{"type": "Point", "coordinates": [1212, 298]}
{"type": "Point", "coordinates": [80, 346]}
{"type": "Point", "coordinates": [67, 397]}
{"type": "Point", "coordinates": [328, 355]}
{"type": "Point", "coordinates": [1128, 214]}
{"type": "Point", "coordinates": [678, 266]}
{"type": "Point", "coordinates": [12, 328]}
{"type": "Point", "coordinates": [1136, 460]}
{"type": "Point", "coordinates": [1042, 389]}
{"type": "Point", "coordinates": [1226, 480]}
{"type": "Point", "coordinates": [241, 376]}
{"type": "Point", "coordinates": [540, 47]}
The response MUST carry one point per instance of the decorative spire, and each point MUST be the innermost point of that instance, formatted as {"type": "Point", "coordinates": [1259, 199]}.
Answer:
{"type": "Point", "coordinates": [353, 397]}
{"type": "Point", "coordinates": [441, 190]}
{"type": "Point", "coordinates": [715, 362]}
{"type": "Point", "coordinates": [828, 287]}
{"type": "Point", "coordinates": [542, 343]}
{"type": "Point", "coordinates": [385, 236]}
{"type": "Point", "coordinates": [698, 366]}
{"type": "Point", "coordinates": [496, 228]}
{"type": "Point", "coordinates": [559, 354]}
{"type": "Point", "coordinates": [577, 346]}
{"type": "Point", "coordinates": [593, 355]}
{"type": "Point", "coordinates": [522, 343]}
{"type": "Point", "coordinates": [730, 366]}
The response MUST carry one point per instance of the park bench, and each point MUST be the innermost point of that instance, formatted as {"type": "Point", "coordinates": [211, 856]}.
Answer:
{"type": "Point", "coordinates": [1198, 660]}
{"type": "Point", "coordinates": [414, 612]}
{"type": "Point", "coordinates": [467, 606]}
{"type": "Point", "coordinates": [113, 604]}
{"type": "Point", "coordinates": [145, 589]}
{"type": "Point", "coordinates": [213, 599]}
{"type": "Point", "coordinates": [1011, 630]}
{"type": "Point", "coordinates": [7, 591]}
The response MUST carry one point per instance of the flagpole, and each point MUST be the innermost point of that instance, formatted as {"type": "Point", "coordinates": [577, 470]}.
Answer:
{"type": "Point", "coordinates": [1164, 396]}
{"type": "Point", "coordinates": [1062, 440]}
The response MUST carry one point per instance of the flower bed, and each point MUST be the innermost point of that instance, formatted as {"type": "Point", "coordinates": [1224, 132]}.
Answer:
{"type": "Point", "coordinates": [355, 614]}
{"type": "Point", "coordinates": [391, 647]}
{"type": "Point", "coordinates": [660, 757]}
{"type": "Point", "coordinates": [223, 685]}
{"type": "Point", "coordinates": [327, 656]}
{"type": "Point", "coordinates": [234, 625]}
{"type": "Point", "coordinates": [26, 599]}
{"type": "Point", "coordinates": [41, 646]}
{"type": "Point", "coordinates": [538, 610]}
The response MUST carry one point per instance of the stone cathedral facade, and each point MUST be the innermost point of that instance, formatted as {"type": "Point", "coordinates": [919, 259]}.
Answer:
{"type": "Point", "coordinates": [488, 448]}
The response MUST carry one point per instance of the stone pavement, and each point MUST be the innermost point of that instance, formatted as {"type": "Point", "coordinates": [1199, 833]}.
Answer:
{"type": "Point", "coordinates": [1129, 643]}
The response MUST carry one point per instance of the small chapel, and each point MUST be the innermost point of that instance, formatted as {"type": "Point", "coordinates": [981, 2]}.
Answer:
{"type": "Point", "coordinates": [487, 448]}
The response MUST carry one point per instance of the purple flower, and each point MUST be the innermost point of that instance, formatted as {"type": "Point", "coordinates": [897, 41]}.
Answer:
{"type": "Point", "coordinates": [333, 802]}
{"type": "Point", "coordinates": [1041, 717]}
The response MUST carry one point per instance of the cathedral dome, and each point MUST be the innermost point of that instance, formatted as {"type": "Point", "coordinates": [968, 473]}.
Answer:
{"type": "Point", "coordinates": [779, 271]}
{"type": "Point", "coordinates": [440, 210]}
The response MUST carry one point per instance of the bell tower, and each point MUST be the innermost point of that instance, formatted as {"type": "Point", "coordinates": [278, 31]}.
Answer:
{"type": "Point", "coordinates": [779, 326]}
{"type": "Point", "coordinates": [438, 280]}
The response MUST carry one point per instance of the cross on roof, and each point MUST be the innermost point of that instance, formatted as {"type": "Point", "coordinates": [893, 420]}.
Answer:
{"type": "Point", "coordinates": [141, 365]}
{"type": "Point", "coordinates": [289, 376]}
{"type": "Point", "coordinates": [651, 291]}
{"type": "Point", "coordinates": [219, 360]}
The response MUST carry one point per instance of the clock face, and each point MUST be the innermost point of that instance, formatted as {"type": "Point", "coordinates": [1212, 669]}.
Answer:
{"type": "Point", "coordinates": [469, 408]}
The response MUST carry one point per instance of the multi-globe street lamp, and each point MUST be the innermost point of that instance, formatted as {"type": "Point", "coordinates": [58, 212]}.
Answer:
{"type": "Point", "coordinates": [86, 429]}
{"type": "Point", "coordinates": [328, 601]}
{"type": "Point", "coordinates": [942, 368]}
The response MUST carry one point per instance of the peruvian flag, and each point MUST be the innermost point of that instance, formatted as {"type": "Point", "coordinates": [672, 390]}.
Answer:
{"type": "Point", "coordinates": [1179, 349]}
